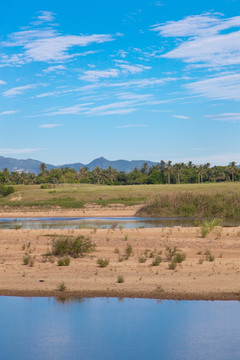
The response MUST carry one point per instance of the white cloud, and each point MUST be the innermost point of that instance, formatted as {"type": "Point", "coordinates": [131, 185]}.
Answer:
{"type": "Point", "coordinates": [54, 68]}
{"type": "Point", "coordinates": [231, 117]}
{"type": "Point", "coordinates": [133, 69]}
{"type": "Point", "coordinates": [11, 151]}
{"type": "Point", "coordinates": [8, 112]}
{"type": "Point", "coordinates": [49, 126]}
{"type": "Point", "coordinates": [2, 82]}
{"type": "Point", "coordinates": [46, 16]}
{"type": "Point", "coordinates": [18, 90]}
{"type": "Point", "coordinates": [130, 126]}
{"type": "Point", "coordinates": [226, 87]}
{"type": "Point", "coordinates": [96, 75]}
{"type": "Point", "coordinates": [181, 116]}
{"type": "Point", "coordinates": [204, 41]}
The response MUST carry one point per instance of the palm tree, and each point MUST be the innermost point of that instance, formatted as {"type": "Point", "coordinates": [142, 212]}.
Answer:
{"type": "Point", "coordinates": [200, 173]}
{"type": "Point", "coordinates": [169, 170]}
{"type": "Point", "coordinates": [112, 173]}
{"type": "Point", "coordinates": [144, 168]}
{"type": "Point", "coordinates": [42, 167]}
{"type": "Point", "coordinates": [97, 173]}
{"type": "Point", "coordinates": [178, 167]}
{"type": "Point", "coordinates": [232, 169]}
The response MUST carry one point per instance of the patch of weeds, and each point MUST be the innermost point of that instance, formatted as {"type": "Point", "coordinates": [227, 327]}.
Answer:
{"type": "Point", "coordinates": [116, 251]}
{"type": "Point", "coordinates": [157, 261]}
{"type": "Point", "coordinates": [200, 261]}
{"type": "Point", "coordinates": [28, 260]}
{"type": "Point", "coordinates": [17, 227]}
{"type": "Point", "coordinates": [171, 252]}
{"type": "Point", "coordinates": [120, 259]}
{"type": "Point", "coordinates": [126, 238]}
{"type": "Point", "coordinates": [199, 253]}
{"type": "Point", "coordinates": [160, 288]}
{"type": "Point", "coordinates": [102, 262]}
{"type": "Point", "coordinates": [61, 286]}
{"type": "Point", "coordinates": [120, 279]}
{"type": "Point", "coordinates": [178, 258]}
{"type": "Point", "coordinates": [207, 226]}
{"type": "Point", "coordinates": [172, 265]}
{"type": "Point", "coordinates": [209, 256]}
{"type": "Point", "coordinates": [74, 247]}
{"type": "Point", "coordinates": [128, 250]}
{"type": "Point", "coordinates": [64, 262]}
{"type": "Point", "coordinates": [142, 259]}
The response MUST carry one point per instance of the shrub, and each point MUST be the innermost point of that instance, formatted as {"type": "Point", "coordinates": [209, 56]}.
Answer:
{"type": "Point", "coordinates": [103, 262]}
{"type": "Point", "coordinates": [120, 279]}
{"type": "Point", "coordinates": [28, 260]}
{"type": "Point", "coordinates": [172, 265]}
{"type": "Point", "coordinates": [61, 286]}
{"type": "Point", "coordinates": [209, 256]}
{"type": "Point", "coordinates": [128, 250]}
{"type": "Point", "coordinates": [171, 252]}
{"type": "Point", "coordinates": [142, 259]}
{"type": "Point", "coordinates": [208, 226]}
{"type": "Point", "coordinates": [178, 258]}
{"type": "Point", "coordinates": [157, 261]}
{"type": "Point", "coordinates": [74, 247]}
{"type": "Point", "coordinates": [6, 190]}
{"type": "Point", "coordinates": [64, 262]}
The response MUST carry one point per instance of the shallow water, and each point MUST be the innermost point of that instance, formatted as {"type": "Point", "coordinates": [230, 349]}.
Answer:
{"type": "Point", "coordinates": [100, 328]}
{"type": "Point", "coordinates": [102, 223]}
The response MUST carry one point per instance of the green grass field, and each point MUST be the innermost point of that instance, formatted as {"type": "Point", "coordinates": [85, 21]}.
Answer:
{"type": "Point", "coordinates": [76, 195]}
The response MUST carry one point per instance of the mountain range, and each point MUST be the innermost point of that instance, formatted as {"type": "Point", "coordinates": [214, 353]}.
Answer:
{"type": "Point", "coordinates": [32, 166]}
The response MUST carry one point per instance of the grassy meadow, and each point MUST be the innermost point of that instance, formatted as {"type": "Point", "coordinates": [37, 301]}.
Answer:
{"type": "Point", "coordinates": [77, 195]}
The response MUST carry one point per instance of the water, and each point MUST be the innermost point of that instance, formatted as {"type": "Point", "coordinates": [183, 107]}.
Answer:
{"type": "Point", "coordinates": [102, 223]}
{"type": "Point", "coordinates": [100, 328]}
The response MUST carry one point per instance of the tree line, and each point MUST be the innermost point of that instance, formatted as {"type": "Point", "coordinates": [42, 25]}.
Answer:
{"type": "Point", "coordinates": [163, 173]}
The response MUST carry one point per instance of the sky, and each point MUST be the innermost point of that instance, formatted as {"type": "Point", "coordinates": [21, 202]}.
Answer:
{"type": "Point", "coordinates": [137, 79]}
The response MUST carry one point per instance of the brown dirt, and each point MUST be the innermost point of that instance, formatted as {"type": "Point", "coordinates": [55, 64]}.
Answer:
{"type": "Point", "coordinates": [190, 280]}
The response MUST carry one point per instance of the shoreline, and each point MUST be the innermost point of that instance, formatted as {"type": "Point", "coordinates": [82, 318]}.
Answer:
{"type": "Point", "coordinates": [232, 296]}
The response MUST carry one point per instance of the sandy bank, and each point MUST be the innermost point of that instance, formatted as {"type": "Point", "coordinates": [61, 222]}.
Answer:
{"type": "Point", "coordinates": [195, 278]}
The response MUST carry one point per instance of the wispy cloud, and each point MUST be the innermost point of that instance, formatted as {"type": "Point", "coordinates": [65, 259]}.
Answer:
{"type": "Point", "coordinates": [54, 68]}
{"type": "Point", "coordinates": [18, 90]}
{"type": "Point", "coordinates": [46, 44]}
{"type": "Point", "coordinates": [226, 87]}
{"type": "Point", "coordinates": [96, 75]}
{"type": "Point", "coordinates": [11, 151]}
{"type": "Point", "coordinates": [49, 126]}
{"type": "Point", "coordinates": [2, 82]}
{"type": "Point", "coordinates": [204, 39]}
{"type": "Point", "coordinates": [231, 117]}
{"type": "Point", "coordinates": [9, 112]}
{"type": "Point", "coordinates": [133, 69]}
{"type": "Point", "coordinates": [130, 126]}
{"type": "Point", "coordinates": [181, 116]}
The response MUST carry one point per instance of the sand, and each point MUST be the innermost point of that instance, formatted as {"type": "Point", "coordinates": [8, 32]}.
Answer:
{"type": "Point", "coordinates": [194, 278]}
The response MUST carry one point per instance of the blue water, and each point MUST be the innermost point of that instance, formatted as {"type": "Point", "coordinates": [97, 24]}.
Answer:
{"type": "Point", "coordinates": [83, 222]}
{"type": "Point", "coordinates": [102, 329]}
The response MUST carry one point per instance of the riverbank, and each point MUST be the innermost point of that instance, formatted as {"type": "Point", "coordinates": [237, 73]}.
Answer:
{"type": "Point", "coordinates": [194, 278]}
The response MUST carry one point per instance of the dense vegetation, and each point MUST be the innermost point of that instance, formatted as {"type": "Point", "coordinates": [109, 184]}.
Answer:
{"type": "Point", "coordinates": [158, 174]}
{"type": "Point", "coordinates": [220, 205]}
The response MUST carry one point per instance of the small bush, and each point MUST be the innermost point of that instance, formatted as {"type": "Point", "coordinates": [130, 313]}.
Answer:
{"type": "Point", "coordinates": [74, 247]}
{"type": "Point", "coordinates": [208, 226]}
{"type": "Point", "coordinates": [103, 262]}
{"type": "Point", "coordinates": [28, 260]}
{"type": "Point", "coordinates": [120, 279]}
{"type": "Point", "coordinates": [171, 252]}
{"type": "Point", "coordinates": [142, 259]}
{"type": "Point", "coordinates": [178, 258]}
{"type": "Point", "coordinates": [61, 286]}
{"type": "Point", "coordinates": [128, 250]}
{"type": "Point", "coordinates": [6, 190]}
{"type": "Point", "coordinates": [157, 261]}
{"type": "Point", "coordinates": [172, 265]}
{"type": "Point", "coordinates": [209, 256]}
{"type": "Point", "coordinates": [64, 262]}
{"type": "Point", "coordinates": [200, 261]}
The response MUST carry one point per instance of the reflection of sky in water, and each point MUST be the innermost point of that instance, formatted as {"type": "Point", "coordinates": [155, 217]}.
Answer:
{"type": "Point", "coordinates": [80, 223]}
{"type": "Point", "coordinates": [44, 328]}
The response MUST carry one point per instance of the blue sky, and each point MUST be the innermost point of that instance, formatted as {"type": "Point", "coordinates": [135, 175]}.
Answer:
{"type": "Point", "coordinates": [124, 80]}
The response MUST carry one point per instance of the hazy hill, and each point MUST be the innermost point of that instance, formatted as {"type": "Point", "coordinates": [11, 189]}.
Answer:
{"type": "Point", "coordinates": [30, 165]}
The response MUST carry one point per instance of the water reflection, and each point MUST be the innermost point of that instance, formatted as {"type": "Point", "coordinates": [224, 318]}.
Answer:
{"type": "Point", "coordinates": [47, 328]}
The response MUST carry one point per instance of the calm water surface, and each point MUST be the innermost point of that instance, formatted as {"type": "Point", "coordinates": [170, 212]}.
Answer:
{"type": "Point", "coordinates": [100, 328]}
{"type": "Point", "coordinates": [103, 223]}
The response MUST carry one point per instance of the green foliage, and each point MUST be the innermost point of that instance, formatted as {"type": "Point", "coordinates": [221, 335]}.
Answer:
{"type": "Point", "coordinates": [120, 279]}
{"type": "Point", "coordinates": [209, 256]}
{"type": "Point", "coordinates": [157, 261]}
{"type": "Point", "coordinates": [178, 258]}
{"type": "Point", "coordinates": [171, 252]}
{"type": "Point", "coordinates": [128, 250]}
{"type": "Point", "coordinates": [28, 260]}
{"type": "Point", "coordinates": [208, 226]}
{"type": "Point", "coordinates": [74, 247]}
{"type": "Point", "coordinates": [6, 190]}
{"type": "Point", "coordinates": [102, 262]}
{"type": "Point", "coordinates": [172, 265]}
{"type": "Point", "coordinates": [142, 259]}
{"type": "Point", "coordinates": [185, 204]}
{"type": "Point", "coordinates": [61, 286]}
{"type": "Point", "coordinates": [64, 262]}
